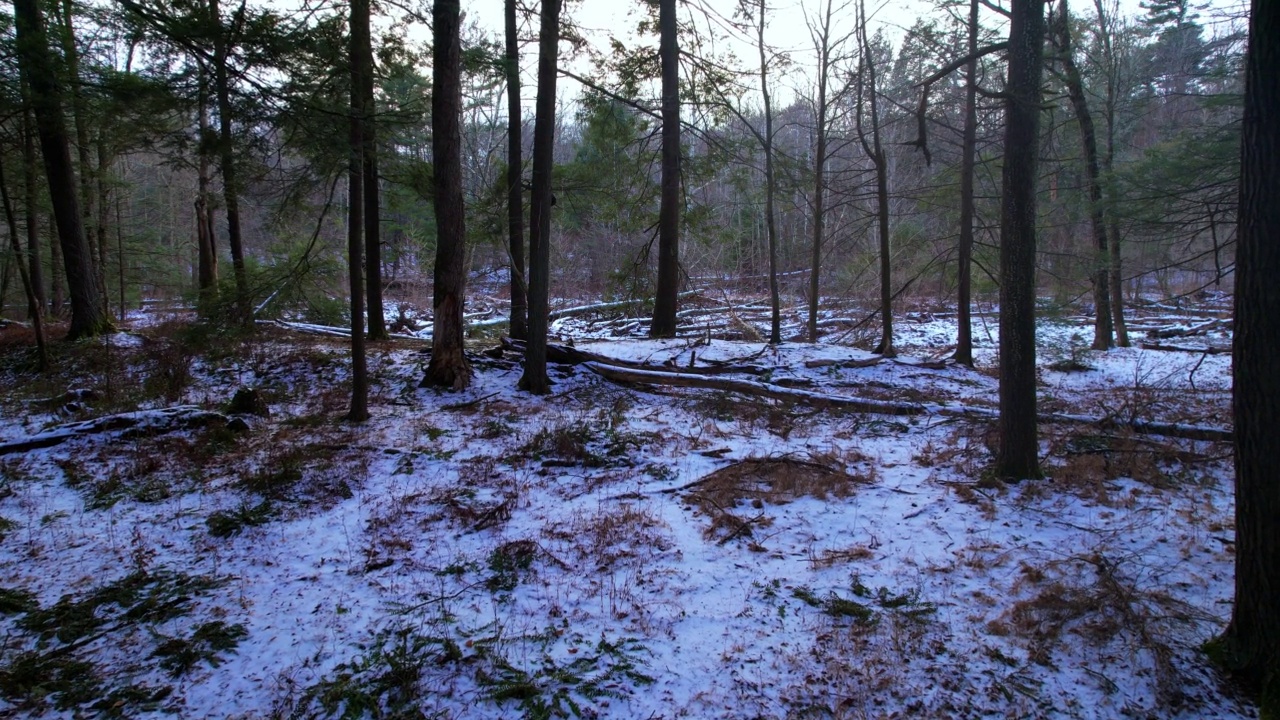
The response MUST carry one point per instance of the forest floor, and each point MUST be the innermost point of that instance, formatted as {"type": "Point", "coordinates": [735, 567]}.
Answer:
{"type": "Point", "coordinates": [609, 550]}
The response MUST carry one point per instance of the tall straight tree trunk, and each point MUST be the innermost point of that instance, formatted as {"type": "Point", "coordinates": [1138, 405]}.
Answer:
{"type": "Point", "coordinates": [359, 410]}
{"type": "Point", "coordinates": [969, 149]}
{"type": "Point", "coordinates": [230, 176]}
{"type": "Point", "coordinates": [664, 306]}
{"type": "Point", "coordinates": [31, 210]}
{"type": "Point", "coordinates": [448, 366]}
{"type": "Point", "coordinates": [57, 271]}
{"type": "Point", "coordinates": [515, 194]}
{"type": "Point", "coordinates": [100, 226]}
{"type": "Point", "coordinates": [1252, 640]}
{"type": "Point", "coordinates": [819, 172]}
{"type": "Point", "coordinates": [876, 152]}
{"type": "Point", "coordinates": [1098, 269]}
{"type": "Point", "coordinates": [34, 310]}
{"type": "Point", "coordinates": [770, 185]}
{"type": "Point", "coordinates": [1115, 276]}
{"type": "Point", "coordinates": [206, 247]}
{"type": "Point", "coordinates": [372, 192]}
{"type": "Point", "coordinates": [1018, 455]}
{"type": "Point", "coordinates": [88, 313]}
{"type": "Point", "coordinates": [535, 378]}
{"type": "Point", "coordinates": [71, 58]}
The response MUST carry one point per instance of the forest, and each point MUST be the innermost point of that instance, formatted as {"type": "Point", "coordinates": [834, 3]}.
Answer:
{"type": "Point", "coordinates": [656, 358]}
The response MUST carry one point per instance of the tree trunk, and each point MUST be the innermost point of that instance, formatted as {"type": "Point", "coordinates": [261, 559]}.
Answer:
{"type": "Point", "coordinates": [876, 152]}
{"type": "Point", "coordinates": [448, 366]}
{"type": "Point", "coordinates": [519, 325]}
{"type": "Point", "coordinates": [1018, 455]}
{"type": "Point", "coordinates": [31, 210]}
{"type": "Point", "coordinates": [1116, 279]}
{"type": "Point", "coordinates": [665, 302]}
{"type": "Point", "coordinates": [33, 303]}
{"type": "Point", "coordinates": [58, 286]}
{"type": "Point", "coordinates": [88, 315]}
{"type": "Point", "coordinates": [372, 192]}
{"type": "Point", "coordinates": [1252, 640]}
{"type": "Point", "coordinates": [819, 173]}
{"type": "Point", "coordinates": [1098, 268]}
{"type": "Point", "coordinates": [770, 185]}
{"type": "Point", "coordinates": [359, 411]}
{"type": "Point", "coordinates": [206, 247]}
{"type": "Point", "coordinates": [535, 378]}
{"type": "Point", "coordinates": [230, 177]}
{"type": "Point", "coordinates": [71, 59]}
{"type": "Point", "coordinates": [964, 261]}
{"type": "Point", "coordinates": [103, 207]}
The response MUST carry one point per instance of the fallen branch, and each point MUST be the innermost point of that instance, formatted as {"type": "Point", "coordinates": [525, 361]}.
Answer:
{"type": "Point", "coordinates": [566, 355]}
{"type": "Point", "coordinates": [1189, 330]}
{"type": "Point", "coordinates": [1206, 349]}
{"type": "Point", "coordinates": [140, 422]}
{"type": "Point", "coordinates": [881, 407]}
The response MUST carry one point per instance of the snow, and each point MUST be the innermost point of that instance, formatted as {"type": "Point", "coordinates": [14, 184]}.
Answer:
{"type": "Point", "coordinates": [620, 543]}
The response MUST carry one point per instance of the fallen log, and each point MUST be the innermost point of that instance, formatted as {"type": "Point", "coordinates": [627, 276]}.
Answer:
{"type": "Point", "coordinates": [1188, 330]}
{"type": "Point", "coordinates": [606, 306]}
{"type": "Point", "coordinates": [882, 407]}
{"type": "Point", "coordinates": [139, 422]}
{"type": "Point", "coordinates": [1206, 349]}
{"type": "Point", "coordinates": [566, 355]}
{"type": "Point", "coordinates": [330, 331]}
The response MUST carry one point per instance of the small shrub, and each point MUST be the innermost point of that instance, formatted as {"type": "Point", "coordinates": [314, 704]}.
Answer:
{"type": "Point", "coordinates": [225, 523]}
{"type": "Point", "coordinates": [178, 655]}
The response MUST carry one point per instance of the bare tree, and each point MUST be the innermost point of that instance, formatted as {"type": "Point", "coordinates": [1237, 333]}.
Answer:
{"type": "Point", "coordinates": [826, 47]}
{"type": "Point", "coordinates": [515, 194]}
{"type": "Point", "coordinates": [1106, 30]}
{"type": "Point", "coordinates": [535, 378]}
{"type": "Point", "coordinates": [1098, 273]}
{"type": "Point", "coordinates": [448, 366]}
{"type": "Point", "coordinates": [665, 301]}
{"type": "Point", "coordinates": [1018, 455]}
{"type": "Point", "coordinates": [866, 82]}
{"type": "Point", "coordinates": [968, 150]}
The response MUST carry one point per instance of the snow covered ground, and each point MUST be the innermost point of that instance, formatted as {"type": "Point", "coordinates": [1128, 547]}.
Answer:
{"type": "Point", "coordinates": [610, 551]}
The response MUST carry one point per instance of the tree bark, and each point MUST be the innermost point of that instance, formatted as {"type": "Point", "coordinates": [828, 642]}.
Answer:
{"type": "Point", "coordinates": [88, 313]}
{"type": "Point", "coordinates": [1098, 268]}
{"type": "Point", "coordinates": [1115, 277]}
{"type": "Point", "coordinates": [359, 410]}
{"type": "Point", "coordinates": [665, 302]}
{"type": "Point", "coordinates": [969, 150]}
{"type": "Point", "coordinates": [519, 325]}
{"type": "Point", "coordinates": [372, 191]}
{"type": "Point", "coordinates": [819, 172]}
{"type": "Point", "coordinates": [71, 58]}
{"type": "Point", "coordinates": [535, 378]}
{"type": "Point", "coordinates": [876, 152]}
{"type": "Point", "coordinates": [31, 211]}
{"type": "Point", "coordinates": [33, 302]}
{"type": "Point", "coordinates": [770, 184]}
{"type": "Point", "coordinates": [1252, 640]}
{"type": "Point", "coordinates": [230, 176]}
{"type": "Point", "coordinates": [207, 254]}
{"type": "Point", "coordinates": [1018, 455]}
{"type": "Point", "coordinates": [448, 366]}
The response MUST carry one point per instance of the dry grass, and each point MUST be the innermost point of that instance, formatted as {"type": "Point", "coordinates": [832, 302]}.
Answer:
{"type": "Point", "coordinates": [1104, 610]}
{"type": "Point", "coordinates": [775, 481]}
